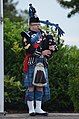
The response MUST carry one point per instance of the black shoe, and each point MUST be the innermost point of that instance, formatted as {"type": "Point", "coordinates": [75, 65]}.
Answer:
{"type": "Point", "coordinates": [42, 114]}
{"type": "Point", "coordinates": [32, 114]}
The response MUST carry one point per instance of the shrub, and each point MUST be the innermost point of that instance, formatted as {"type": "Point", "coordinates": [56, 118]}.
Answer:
{"type": "Point", "coordinates": [14, 93]}
{"type": "Point", "coordinates": [63, 66]}
{"type": "Point", "coordinates": [73, 92]}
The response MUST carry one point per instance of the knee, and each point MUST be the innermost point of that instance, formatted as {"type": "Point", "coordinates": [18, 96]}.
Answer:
{"type": "Point", "coordinates": [30, 94]}
{"type": "Point", "coordinates": [31, 89]}
{"type": "Point", "coordinates": [39, 89]}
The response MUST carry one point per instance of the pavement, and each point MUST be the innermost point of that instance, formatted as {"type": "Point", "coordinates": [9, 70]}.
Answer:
{"type": "Point", "coordinates": [50, 116]}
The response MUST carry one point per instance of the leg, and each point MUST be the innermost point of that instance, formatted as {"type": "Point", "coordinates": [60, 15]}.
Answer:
{"type": "Point", "coordinates": [38, 99]}
{"type": "Point", "coordinates": [30, 100]}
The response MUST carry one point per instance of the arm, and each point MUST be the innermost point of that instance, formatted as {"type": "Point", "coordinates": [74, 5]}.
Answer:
{"type": "Point", "coordinates": [50, 45]}
{"type": "Point", "coordinates": [27, 42]}
{"type": "Point", "coordinates": [30, 44]}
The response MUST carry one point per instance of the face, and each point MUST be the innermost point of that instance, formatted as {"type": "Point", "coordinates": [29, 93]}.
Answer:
{"type": "Point", "coordinates": [35, 26]}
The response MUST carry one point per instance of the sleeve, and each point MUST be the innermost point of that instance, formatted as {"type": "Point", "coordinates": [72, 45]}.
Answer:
{"type": "Point", "coordinates": [27, 46]}
{"type": "Point", "coordinates": [26, 42]}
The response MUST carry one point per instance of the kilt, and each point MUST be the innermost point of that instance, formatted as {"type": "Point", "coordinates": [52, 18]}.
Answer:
{"type": "Point", "coordinates": [28, 78]}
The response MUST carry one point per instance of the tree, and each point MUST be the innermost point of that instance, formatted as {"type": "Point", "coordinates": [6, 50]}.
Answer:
{"type": "Point", "coordinates": [11, 12]}
{"type": "Point", "coordinates": [9, 8]}
{"type": "Point", "coordinates": [73, 5]}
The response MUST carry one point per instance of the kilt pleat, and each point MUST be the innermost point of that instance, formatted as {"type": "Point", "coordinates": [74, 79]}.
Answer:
{"type": "Point", "coordinates": [28, 79]}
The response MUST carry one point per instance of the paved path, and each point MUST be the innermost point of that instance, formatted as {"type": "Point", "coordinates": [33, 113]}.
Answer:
{"type": "Point", "coordinates": [50, 116]}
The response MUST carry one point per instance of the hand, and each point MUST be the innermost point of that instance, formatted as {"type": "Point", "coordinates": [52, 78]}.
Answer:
{"type": "Point", "coordinates": [52, 47]}
{"type": "Point", "coordinates": [46, 53]}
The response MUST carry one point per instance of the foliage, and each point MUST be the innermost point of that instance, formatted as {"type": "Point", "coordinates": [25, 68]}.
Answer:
{"type": "Point", "coordinates": [63, 66]}
{"type": "Point", "coordinates": [73, 5]}
{"type": "Point", "coordinates": [13, 90]}
{"type": "Point", "coordinates": [10, 11]}
{"type": "Point", "coordinates": [73, 91]}
{"type": "Point", "coordinates": [13, 48]}
{"type": "Point", "coordinates": [14, 54]}
{"type": "Point", "coordinates": [14, 93]}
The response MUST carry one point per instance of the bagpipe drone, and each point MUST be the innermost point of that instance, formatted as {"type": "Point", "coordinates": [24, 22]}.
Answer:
{"type": "Point", "coordinates": [32, 14]}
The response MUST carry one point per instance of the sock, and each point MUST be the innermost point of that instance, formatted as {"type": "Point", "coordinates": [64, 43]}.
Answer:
{"type": "Point", "coordinates": [29, 95]}
{"type": "Point", "coordinates": [38, 95]}
{"type": "Point", "coordinates": [38, 107]}
{"type": "Point", "coordinates": [31, 106]}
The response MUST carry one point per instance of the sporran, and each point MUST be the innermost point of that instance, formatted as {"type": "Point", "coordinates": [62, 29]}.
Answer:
{"type": "Point", "coordinates": [39, 77]}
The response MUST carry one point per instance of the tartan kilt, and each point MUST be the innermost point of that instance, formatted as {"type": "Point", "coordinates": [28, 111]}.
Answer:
{"type": "Point", "coordinates": [28, 76]}
{"type": "Point", "coordinates": [28, 79]}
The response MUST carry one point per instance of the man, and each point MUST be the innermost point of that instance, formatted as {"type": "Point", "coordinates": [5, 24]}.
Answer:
{"type": "Point", "coordinates": [35, 42]}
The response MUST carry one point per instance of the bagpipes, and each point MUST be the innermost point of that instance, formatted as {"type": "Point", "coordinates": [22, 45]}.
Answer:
{"type": "Point", "coordinates": [48, 43]}
{"type": "Point", "coordinates": [49, 38]}
{"type": "Point", "coordinates": [34, 41]}
{"type": "Point", "coordinates": [32, 13]}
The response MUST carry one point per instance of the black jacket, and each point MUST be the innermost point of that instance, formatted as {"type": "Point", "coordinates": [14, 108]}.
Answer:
{"type": "Point", "coordinates": [44, 44]}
